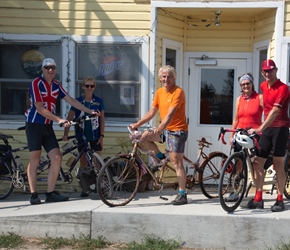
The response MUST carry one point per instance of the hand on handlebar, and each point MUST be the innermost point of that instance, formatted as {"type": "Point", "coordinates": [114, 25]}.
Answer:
{"type": "Point", "coordinates": [134, 126]}
{"type": "Point", "coordinates": [252, 131]}
{"type": "Point", "coordinates": [64, 123]}
{"type": "Point", "coordinates": [96, 113]}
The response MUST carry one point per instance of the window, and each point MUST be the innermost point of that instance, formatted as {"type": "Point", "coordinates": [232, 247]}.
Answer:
{"type": "Point", "coordinates": [20, 63]}
{"type": "Point", "coordinates": [117, 70]}
{"type": "Point", "coordinates": [171, 57]}
{"type": "Point", "coordinates": [217, 89]}
{"type": "Point", "coordinates": [263, 56]}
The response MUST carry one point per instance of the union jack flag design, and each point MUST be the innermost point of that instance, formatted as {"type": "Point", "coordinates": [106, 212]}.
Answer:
{"type": "Point", "coordinates": [41, 91]}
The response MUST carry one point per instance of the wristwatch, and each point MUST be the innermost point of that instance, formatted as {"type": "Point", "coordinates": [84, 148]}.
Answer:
{"type": "Point", "coordinates": [102, 135]}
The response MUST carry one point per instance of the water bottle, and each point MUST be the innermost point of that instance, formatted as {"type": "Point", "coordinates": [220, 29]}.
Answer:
{"type": "Point", "coordinates": [70, 161]}
{"type": "Point", "coordinates": [19, 163]}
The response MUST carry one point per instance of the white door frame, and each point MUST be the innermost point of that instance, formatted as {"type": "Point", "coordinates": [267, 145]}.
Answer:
{"type": "Point", "coordinates": [178, 47]}
{"type": "Point", "coordinates": [186, 80]}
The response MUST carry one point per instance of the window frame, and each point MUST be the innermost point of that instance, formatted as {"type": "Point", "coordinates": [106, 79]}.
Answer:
{"type": "Point", "coordinates": [68, 62]}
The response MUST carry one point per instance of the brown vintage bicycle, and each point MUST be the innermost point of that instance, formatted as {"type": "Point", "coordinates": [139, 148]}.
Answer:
{"type": "Point", "coordinates": [119, 178]}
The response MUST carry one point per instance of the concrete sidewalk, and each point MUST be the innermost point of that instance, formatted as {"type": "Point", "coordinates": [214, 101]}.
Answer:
{"type": "Point", "coordinates": [200, 224]}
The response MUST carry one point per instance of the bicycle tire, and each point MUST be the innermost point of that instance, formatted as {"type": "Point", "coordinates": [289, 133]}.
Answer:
{"type": "Point", "coordinates": [210, 173]}
{"type": "Point", "coordinates": [232, 181]}
{"type": "Point", "coordinates": [6, 180]}
{"type": "Point", "coordinates": [97, 162]}
{"type": "Point", "coordinates": [287, 170]}
{"type": "Point", "coordinates": [118, 181]}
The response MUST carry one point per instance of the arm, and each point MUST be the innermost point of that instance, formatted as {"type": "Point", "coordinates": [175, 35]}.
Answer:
{"type": "Point", "coordinates": [47, 114]}
{"type": "Point", "coordinates": [261, 101]}
{"type": "Point", "coordinates": [167, 119]}
{"type": "Point", "coordinates": [146, 118]}
{"type": "Point", "coordinates": [75, 103]}
{"type": "Point", "coordinates": [102, 127]}
{"type": "Point", "coordinates": [69, 117]}
{"type": "Point", "coordinates": [271, 117]}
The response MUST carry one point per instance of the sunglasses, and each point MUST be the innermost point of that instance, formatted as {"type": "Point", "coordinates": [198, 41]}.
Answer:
{"type": "Point", "coordinates": [268, 71]}
{"type": "Point", "coordinates": [90, 86]}
{"type": "Point", "coordinates": [49, 67]}
{"type": "Point", "coordinates": [245, 84]}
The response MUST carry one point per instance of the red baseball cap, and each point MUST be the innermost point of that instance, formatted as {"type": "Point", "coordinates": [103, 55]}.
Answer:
{"type": "Point", "coordinates": [268, 64]}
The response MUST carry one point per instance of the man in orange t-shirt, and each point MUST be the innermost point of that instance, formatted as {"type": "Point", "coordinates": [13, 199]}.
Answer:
{"type": "Point", "coordinates": [170, 101]}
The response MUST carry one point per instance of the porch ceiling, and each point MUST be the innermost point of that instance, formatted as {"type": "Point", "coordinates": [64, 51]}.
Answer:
{"type": "Point", "coordinates": [227, 14]}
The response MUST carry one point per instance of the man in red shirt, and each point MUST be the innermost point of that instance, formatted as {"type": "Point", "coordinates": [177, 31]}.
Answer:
{"type": "Point", "coordinates": [275, 135]}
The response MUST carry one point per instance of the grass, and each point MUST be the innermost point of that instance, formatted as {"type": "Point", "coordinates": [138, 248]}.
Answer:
{"type": "Point", "coordinates": [13, 241]}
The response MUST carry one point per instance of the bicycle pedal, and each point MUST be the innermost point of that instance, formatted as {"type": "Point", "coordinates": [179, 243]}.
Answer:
{"type": "Point", "coordinates": [163, 198]}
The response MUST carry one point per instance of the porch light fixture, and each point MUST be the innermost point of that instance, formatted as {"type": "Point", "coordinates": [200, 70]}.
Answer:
{"type": "Point", "coordinates": [204, 61]}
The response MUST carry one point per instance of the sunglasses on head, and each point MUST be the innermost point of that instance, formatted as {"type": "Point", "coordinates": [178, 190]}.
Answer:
{"type": "Point", "coordinates": [49, 67]}
{"type": "Point", "coordinates": [89, 86]}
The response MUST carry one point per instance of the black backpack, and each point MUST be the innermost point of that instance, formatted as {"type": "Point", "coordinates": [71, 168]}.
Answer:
{"type": "Point", "coordinates": [87, 179]}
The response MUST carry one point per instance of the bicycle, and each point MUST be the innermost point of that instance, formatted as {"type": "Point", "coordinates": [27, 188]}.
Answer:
{"type": "Point", "coordinates": [234, 175]}
{"type": "Point", "coordinates": [119, 178]}
{"type": "Point", "coordinates": [12, 174]}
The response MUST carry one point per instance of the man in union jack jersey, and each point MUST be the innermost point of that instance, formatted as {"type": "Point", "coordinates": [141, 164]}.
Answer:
{"type": "Point", "coordinates": [43, 92]}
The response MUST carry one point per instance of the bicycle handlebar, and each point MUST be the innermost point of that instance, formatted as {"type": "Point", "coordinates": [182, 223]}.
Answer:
{"type": "Point", "coordinates": [77, 121]}
{"type": "Point", "coordinates": [253, 136]}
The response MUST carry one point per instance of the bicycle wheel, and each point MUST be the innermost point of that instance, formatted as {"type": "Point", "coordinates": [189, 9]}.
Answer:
{"type": "Point", "coordinates": [118, 181]}
{"type": "Point", "coordinates": [287, 170]}
{"type": "Point", "coordinates": [6, 183]}
{"type": "Point", "coordinates": [97, 162]}
{"type": "Point", "coordinates": [233, 182]}
{"type": "Point", "coordinates": [210, 173]}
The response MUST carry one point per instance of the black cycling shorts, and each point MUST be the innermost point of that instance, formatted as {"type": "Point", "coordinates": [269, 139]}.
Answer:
{"type": "Point", "coordinates": [40, 135]}
{"type": "Point", "coordinates": [273, 138]}
{"type": "Point", "coordinates": [93, 144]}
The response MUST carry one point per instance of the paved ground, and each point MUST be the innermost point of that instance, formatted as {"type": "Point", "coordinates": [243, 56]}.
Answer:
{"type": "Point", "coordinates": [200, 224]}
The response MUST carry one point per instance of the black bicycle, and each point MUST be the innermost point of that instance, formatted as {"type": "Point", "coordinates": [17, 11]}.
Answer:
{"type": "Point", "coordinates": [13, 175]}
{"type": "Point", "coordinates": [233, 182]}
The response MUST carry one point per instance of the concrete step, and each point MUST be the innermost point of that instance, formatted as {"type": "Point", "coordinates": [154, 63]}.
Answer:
{"type": "Point", "coordinates": [200, 224]}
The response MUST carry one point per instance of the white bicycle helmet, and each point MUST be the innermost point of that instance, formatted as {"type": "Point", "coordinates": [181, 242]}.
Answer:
{"type": "Point", "coordinates": [244, 140]}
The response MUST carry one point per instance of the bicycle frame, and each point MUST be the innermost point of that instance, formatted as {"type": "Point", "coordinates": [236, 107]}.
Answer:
{"type": "Point", "coordinates": [158, 179]}
{"type": "Point", "coordinates": [249, 165]}
{"type": "Point", "coordinates": [19, 178]}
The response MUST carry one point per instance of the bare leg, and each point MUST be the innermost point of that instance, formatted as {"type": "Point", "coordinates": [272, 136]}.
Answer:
{"type": "Point", "coordinates": [34, 158]}
{"type": "Point", "coordinates": [148, 141]}
{"type": "Point", "coordinates": [258, 167]}
{"type": "Point", "coordinates": [278, 164]}
{"type": "Point", "coordinates": [53, 173]}
{"type": "Point", "coordinates": [83, 160]}
{"type": "Point", "coordinates": [177, 159]}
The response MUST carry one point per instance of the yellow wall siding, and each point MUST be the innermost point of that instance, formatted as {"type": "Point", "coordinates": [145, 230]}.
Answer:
{"type": "Point", "coordinates": [123, 18]}
{"type": "Point", "coordinates": [234, 35]}
{"type": "Point", "coordinates": [287, 18]}
{"type": "Point", "coordinates": [113, 144]}
{"type": "Point", "coordinates": [168, 28]}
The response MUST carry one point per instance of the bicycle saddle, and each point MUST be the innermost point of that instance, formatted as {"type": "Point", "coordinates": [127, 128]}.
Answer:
{"type": "Point", "coordinates": [5, 137]}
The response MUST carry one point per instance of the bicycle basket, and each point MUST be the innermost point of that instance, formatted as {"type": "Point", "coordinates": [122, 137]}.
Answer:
{"type": "Point", "coordinates": [3, 151]}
